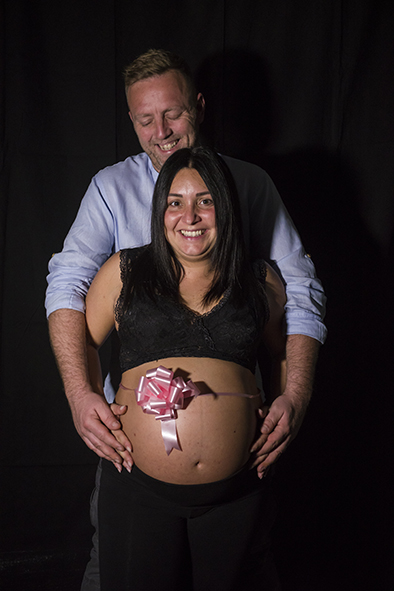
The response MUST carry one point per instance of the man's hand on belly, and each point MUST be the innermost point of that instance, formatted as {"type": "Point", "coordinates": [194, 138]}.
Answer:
{"type": "Point", "coordinates": [280, 425]}
{"type": "Point", "coordinates": [94, 419]}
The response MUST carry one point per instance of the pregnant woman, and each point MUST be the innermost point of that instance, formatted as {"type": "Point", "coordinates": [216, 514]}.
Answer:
{"type": "Point", "coordinates": [191, 313]}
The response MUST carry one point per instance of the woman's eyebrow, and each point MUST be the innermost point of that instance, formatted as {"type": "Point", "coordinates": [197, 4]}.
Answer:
{"type": "Point", "coordinates": [197, 194]}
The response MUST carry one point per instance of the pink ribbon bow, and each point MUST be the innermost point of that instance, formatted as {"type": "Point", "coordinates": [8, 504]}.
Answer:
{"type": "Point", "coordinates": [160, 394]}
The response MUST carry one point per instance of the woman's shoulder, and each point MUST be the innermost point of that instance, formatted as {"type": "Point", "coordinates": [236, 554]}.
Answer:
{"type": "Point", "coordinates": [106, 283]}
{"type": "Point", "coordinates": [270, 279]}
{"type": "Point", "coordinates": [128, 256]}
{"type": "Point", "coordinates": [275, 285]}
{"type": "Point", "coordinates": [115, 269]}
{"type": "Point", "coordinates": [109, 268]}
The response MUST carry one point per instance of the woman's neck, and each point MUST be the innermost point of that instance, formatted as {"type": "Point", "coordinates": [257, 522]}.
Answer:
{"type": "Point", "coordinates": [195, 283]}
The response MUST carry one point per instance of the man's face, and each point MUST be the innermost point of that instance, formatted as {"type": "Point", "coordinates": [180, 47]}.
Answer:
{"type": "Point", "coordinates": [164, 116]}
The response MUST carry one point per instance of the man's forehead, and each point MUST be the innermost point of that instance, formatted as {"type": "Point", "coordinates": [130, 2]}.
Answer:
{"type": "Point", "coordinates": [170, 86]}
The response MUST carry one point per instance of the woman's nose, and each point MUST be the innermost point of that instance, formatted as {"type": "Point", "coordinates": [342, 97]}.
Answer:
{"type": "Point", "coordinates": [190, 215]}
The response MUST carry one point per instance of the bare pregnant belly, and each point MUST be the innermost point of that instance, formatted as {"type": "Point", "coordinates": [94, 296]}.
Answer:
{"type": "Point", "coordinates": [215, 433]}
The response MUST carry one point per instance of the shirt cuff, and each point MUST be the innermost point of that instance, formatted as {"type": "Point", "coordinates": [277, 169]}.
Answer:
{"type": "Point", "coordinates": [64, 301]}
{"type": "Point", "coordinates": [305, 323]}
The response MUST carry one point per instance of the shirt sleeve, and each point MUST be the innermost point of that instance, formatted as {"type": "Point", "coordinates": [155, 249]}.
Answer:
{"type": "Point", "coordinates": [87, 246]}
{"type": "Point", "coordinates": [270, 234]}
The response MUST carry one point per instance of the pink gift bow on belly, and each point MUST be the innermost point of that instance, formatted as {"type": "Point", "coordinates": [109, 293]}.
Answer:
{"type": "Point", "coordinates": [160, 394]}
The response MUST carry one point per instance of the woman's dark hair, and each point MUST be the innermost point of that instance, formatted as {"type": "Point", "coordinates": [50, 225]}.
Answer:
{"type": "Point", "coordinates": [157, 271]}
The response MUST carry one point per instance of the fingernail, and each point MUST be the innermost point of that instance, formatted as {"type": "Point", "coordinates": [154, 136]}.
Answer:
{"type": "Point", "coordinates": [118, 467]}
{"type": "Point", "coordinates": [128, 467]}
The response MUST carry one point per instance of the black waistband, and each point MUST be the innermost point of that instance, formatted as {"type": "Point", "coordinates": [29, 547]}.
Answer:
{"type": "Point", "coordinates": [241, 484]}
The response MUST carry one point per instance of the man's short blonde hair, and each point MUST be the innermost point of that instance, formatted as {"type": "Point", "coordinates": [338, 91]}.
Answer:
{"type": "Point", "coordinates": [156, 62]}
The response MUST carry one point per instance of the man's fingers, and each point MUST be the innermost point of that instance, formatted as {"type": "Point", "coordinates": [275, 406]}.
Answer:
{"type": "Point", "coordinates": [268, 443]}
{"type": "Point", "coordinates": [107, 417]}
{"type": "Point", "coordinates": [259, 460]}
{"type": "Point", "coordinates": [102, 450]}
{"type": "Point", "coordinates": [99, 434]}
{"type": "Point", "coordinates": [256, 447]}
{"type": "Point", "coordinates": [272, 445]}
{"type": "Point", "coordinates": [123, 439]}
{"type": "Point", "coordinates": [264, 464]}
{"type": "Point", "coordinates": [270, 423]}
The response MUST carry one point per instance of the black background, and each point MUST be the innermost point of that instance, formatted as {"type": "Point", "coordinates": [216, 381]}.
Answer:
{"type": "Point", "coordinates": [303, 88]}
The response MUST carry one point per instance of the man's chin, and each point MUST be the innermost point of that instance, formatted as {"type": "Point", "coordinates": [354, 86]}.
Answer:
{"type": "Point", "coordinates": [157, 164]}
{"type": "Point", "coordinates": [159, 157]}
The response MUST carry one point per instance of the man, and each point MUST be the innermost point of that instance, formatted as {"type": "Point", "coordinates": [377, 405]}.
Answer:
{"type": "Point", "coordinates": [166, 113]}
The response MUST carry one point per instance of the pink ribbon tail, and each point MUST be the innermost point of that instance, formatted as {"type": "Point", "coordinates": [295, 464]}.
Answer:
{"type": "Point", "coordinates": [170, 435]}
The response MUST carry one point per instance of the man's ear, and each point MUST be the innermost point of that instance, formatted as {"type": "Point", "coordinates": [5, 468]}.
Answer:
{"type": "Point", "coordinates": [131, 118]}
{"type": "Point", "coordinates": [200, 108]}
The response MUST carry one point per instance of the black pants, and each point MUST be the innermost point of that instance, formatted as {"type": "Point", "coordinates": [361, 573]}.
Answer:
{"type": "Point", "coordinates": [209, 537]}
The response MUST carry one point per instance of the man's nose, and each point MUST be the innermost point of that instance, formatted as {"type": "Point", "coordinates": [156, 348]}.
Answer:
{"type": "Point", "coordinates": [163, 129]}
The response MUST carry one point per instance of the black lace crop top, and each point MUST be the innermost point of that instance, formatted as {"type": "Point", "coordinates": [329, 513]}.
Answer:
{"type": "Point", "coordinates": [150, 330]}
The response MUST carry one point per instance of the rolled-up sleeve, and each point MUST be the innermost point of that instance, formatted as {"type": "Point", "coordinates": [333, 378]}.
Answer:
{"type": "Point", "coordinates": [87, 246]}
{"type": "Point", "coordinates": [270, 234]}
{"type": "Point", "coordinates": [306, 301]}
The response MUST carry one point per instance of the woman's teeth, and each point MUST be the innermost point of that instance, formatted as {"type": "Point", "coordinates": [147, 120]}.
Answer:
{"type": "Point", "coordinates": [192, 233]}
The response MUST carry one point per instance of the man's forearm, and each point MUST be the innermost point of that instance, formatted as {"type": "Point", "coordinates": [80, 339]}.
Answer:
{"type": "Point", "coordinates": [93, 418]}
{"type": "Point", "coordinates": [301, 355]}
{"type": "Point", "coordinates": [67, 331]}
{"type": "Point", "coordinates": [287, 410]}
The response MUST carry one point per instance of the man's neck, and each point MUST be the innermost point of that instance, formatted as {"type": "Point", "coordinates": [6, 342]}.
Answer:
{"type": "Point", "coordinates": [153, 172]}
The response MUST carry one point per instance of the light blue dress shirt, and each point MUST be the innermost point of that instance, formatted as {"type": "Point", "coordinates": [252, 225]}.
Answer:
{"type": "Point", "coordinates": [115, 214]}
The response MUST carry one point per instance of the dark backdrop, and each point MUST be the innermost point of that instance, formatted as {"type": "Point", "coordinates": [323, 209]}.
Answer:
{"type": "Point", "coordinates": [303, 88]}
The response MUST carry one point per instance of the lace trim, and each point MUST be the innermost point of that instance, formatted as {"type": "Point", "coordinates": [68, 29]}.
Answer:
{"type": "Point", "coordinates": [215, 308]}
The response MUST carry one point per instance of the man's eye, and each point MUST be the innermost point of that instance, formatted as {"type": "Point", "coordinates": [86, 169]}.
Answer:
{"type": "Point", "coordinates": [174, 115]}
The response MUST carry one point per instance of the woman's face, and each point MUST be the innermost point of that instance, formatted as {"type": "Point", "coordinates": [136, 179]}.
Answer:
{"type": "Point", "coordinates": [189, 220]}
